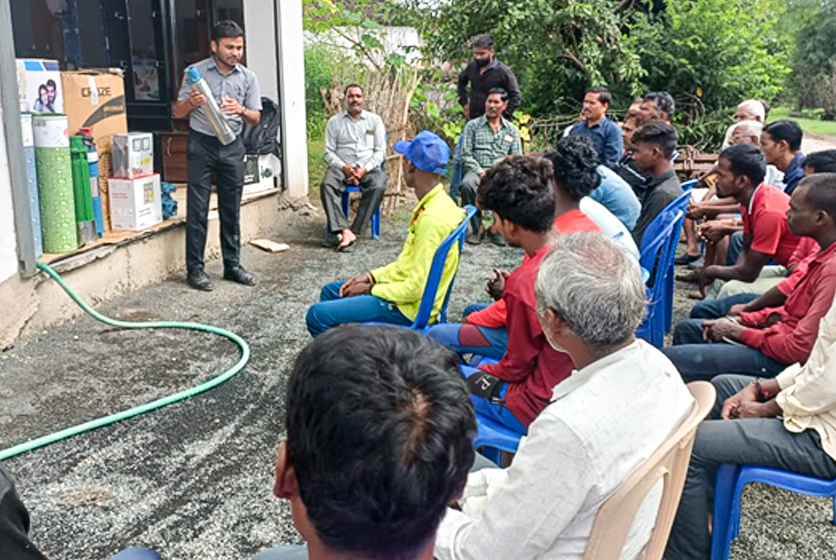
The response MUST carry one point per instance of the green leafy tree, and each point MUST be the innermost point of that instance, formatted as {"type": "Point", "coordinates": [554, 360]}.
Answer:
{"type": "Point", "coordinates": [814, 58]}
{"type": "Point", "coordinates": [556, 48]}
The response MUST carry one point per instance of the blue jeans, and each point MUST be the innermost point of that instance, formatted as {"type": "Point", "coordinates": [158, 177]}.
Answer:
{"type": "Point", "coordinates": [496, 411]}
{"type": "Point", "coordinates": [716, 308]}
{"type": "Point", "coordinates": [735, 247]}
{"type": "Point", "coordinates": [332, 310]}
{"type": "Point", "coordinates": [470, 339]}
{"type": "Point", "coordinates": [137, 554]}
{"type": "Point", "coordinates": [697, 360]}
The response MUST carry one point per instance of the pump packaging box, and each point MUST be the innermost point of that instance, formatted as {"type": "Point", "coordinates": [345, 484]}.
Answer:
{"type": "Point", "coordinates": [135, 204]}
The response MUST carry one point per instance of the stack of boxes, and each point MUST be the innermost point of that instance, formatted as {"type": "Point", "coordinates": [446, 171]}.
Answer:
{"type": "Point", "coordinates": [94, 103]}
{"type": "Point", "coordinates": [134, 189]}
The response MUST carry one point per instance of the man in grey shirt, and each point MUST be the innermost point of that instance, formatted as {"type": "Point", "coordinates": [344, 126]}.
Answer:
{"type": "Point", "coordinates": [355, 148]}
{"type": "Point", "coordinates": [235, 88]}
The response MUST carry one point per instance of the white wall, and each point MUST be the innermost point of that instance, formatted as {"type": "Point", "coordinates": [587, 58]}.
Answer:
{"type": "Point", "coordinates": [260, 27]}
{"type": "Point", "coordinates": [292, 79]}
{"type": "Point", "coordinates": [8, 241]}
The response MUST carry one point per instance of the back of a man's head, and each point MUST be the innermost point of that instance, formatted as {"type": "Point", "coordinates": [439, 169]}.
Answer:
{"type": "Point", "coordinates": [379, 434]}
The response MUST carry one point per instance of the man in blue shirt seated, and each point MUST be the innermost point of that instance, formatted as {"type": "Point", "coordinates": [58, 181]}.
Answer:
{"type": "Point", "coordinates": [781, 144]}
{"type": "Point", "coordinates": [605, 134]}
{"type": "Point", "coordinates": [616, 195]}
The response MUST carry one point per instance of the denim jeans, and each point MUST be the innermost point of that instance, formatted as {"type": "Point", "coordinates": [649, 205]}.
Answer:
{"type": "Point", "coordinates": [136, 554]}
{"type": "Point", "coordinates": [716, 308]}
{"type": "Point", "coordinates": [496, 411]}
{"type": "Point", "coordinates": [697, 360]}
{"type": "Point", "coordinates": [750, 441]}
{"type": "Point", "coordinates": [332, 310]}
{"type": "Point", "coordinates": [470, 339]}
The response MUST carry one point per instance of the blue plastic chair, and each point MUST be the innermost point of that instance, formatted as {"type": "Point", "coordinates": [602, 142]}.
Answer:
{"type": "Point", "coordinates": [657, 254]}
{"type": "Point", "coordinates": [422, 320]}
{"type": "Point", "coordinates": [681, 202]}
{"type": "Point", "coordinates": [494, 439]}
{"type": "Point", "coordinates": [346, 199]}
{"type": "Point", "coordinates": [457, 171]}
{"type": "Point", "coordinates": [731, 479]}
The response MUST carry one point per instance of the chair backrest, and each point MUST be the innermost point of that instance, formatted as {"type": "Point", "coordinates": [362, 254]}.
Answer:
{"type": "Point", "coordinates": [669, 464]}
{"type": "Point", "coordinates": [437, 268]}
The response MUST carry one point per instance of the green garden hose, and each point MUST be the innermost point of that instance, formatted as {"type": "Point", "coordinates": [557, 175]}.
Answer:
{"type": "Point", "coordinates": [142, 409]}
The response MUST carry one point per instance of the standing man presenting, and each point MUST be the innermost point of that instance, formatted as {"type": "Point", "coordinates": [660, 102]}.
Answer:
{"type": "Point", "coordinates": [235, 88]}
{"type": "Point", "coordinates": [594, 123]}
{"type": "Point", "coordinates": [485, 73]}
{"type": "Point", "coordinates": [355, 149]}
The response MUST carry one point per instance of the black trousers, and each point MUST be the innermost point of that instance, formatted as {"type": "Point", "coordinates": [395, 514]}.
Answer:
{"type": "Point", "coordinates": [205, 155]}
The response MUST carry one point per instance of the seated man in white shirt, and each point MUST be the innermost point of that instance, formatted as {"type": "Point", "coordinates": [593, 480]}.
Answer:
{"type": "Point", "coordinates": [787, 423]}
{"type": "Point", "coordinates": [622, 403]}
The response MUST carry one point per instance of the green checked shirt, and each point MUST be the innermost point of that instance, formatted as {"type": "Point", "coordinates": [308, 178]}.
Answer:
{"type": "Point", "coordinates": [481, 148]}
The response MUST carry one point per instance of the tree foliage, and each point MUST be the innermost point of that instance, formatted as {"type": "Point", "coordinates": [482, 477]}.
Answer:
{"type": "Point", "coordinates": [814, 57]}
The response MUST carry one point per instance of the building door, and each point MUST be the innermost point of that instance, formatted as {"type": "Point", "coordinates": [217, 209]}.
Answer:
{"type": "Point", "coordinates": [138, 38]}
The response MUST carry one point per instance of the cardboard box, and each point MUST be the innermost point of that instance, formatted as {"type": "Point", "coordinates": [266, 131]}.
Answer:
{"type": "Point", "coordinates": [133, 155]}
{"type": "Point", "coordinates": [135, 204]}
{"type": "Point", "coordinates": [96, 98]}
{"type": "Point", "coordinates": [39, 85]}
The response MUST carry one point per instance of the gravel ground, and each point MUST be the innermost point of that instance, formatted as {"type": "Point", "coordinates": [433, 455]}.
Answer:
{"type": "Point", "coordinates": [193, 480]}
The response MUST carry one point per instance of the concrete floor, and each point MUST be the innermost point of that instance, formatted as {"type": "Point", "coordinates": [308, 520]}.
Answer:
{"type": "Point", "coordinates": [194, 480]}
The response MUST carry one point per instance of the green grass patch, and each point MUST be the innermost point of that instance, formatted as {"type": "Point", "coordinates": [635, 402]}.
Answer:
{"type": "Point", "coordinates": [809, 121]}
{"type": "Point", "coordinates": [317, 166]}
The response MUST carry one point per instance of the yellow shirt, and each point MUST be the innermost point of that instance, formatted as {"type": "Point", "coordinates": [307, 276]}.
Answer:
{"type": "Point", "coordinates": [808, 392]}
{"type": "Point", "coordinates": [402, 282]}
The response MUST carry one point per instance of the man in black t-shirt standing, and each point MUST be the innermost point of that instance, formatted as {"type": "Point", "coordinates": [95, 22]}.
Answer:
{"type": "Point", "coordinates": [485, 73]}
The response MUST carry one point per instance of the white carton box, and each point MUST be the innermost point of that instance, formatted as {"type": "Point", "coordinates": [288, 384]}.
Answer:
{"type": "Point", "coordinates": [133, 155]}
{"type": "Point", "coordinates": [39, 85]}
{"type": "Point", "coordinates": [260, 173]}
{"type": "Point", "coordinates": [135, 204]}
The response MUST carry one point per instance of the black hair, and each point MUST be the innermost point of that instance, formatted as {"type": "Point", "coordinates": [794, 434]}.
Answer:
{"type": "Point", "coordinates": [747, 160]}
{"type": "Point", "coordinates": [41, 88]}
{"type": "Point", "coordinates": [821, 192]}
{"type": "Point", "coordinates": [483, 41]}
{"type": "Point", "coordinates": [663, 100]}
{"type": "Point", "coordinates": [51, 82]}
{"type": "Point", "coordinates": [226, 29]}
{"type": "Point", "coordinates": [349, 86]}
{"type": "Point", "coordinates": [658, 133]}
{"type": "Point", "coordinates": [519, 189]}
{"type": "Point", "coordinates": [821, 162]}
{"type": "Point", "coordinates": [503, 94]}
{"type": "Point", "coordinates": [379, 433]}
{"type": "Point", "coordinates": [604, 95]}
{"type": "Point", "coordinates": [766, 107]}
{"type": "Point", "coordinates": [575, 163]}
{"type": "Point", "coordinates": [787, 131]}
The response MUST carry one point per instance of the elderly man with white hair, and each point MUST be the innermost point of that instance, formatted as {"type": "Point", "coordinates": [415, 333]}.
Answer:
{"type": "Point", "coordinates": [619, 406]}
{"type": "Point", "coordinates": [749, 110]}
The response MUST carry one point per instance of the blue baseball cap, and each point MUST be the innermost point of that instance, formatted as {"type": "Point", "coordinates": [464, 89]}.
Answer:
{"type": "Point", "coordinates": [426, 151]}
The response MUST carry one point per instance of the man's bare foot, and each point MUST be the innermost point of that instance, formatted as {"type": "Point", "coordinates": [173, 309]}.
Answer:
{"type": "Point", "coordinates": [347, 240]}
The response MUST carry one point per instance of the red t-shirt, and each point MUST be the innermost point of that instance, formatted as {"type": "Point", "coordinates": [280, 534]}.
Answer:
{"type": "Point", "coordinates": [530, 365]}
{"type": "Point", "coordinates": [766, 221]}
{"type": "Point", "coordinates": [791, 339]}
{"type": "Point", "coordinates": [494, 315]}
{"type": "Point", "coordinates": [574, 221]}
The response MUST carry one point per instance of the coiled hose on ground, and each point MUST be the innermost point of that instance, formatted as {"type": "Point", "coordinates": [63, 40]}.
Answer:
{"type": "Point", "coordinates": [142, 409]}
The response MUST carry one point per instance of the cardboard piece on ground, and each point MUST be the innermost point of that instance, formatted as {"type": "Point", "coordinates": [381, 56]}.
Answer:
{"type": "Point", "coordinates": [269, 245]}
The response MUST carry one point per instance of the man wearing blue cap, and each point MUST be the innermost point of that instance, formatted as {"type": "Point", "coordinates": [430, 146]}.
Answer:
{"type": "Point", "coordinates": [392, 293]}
